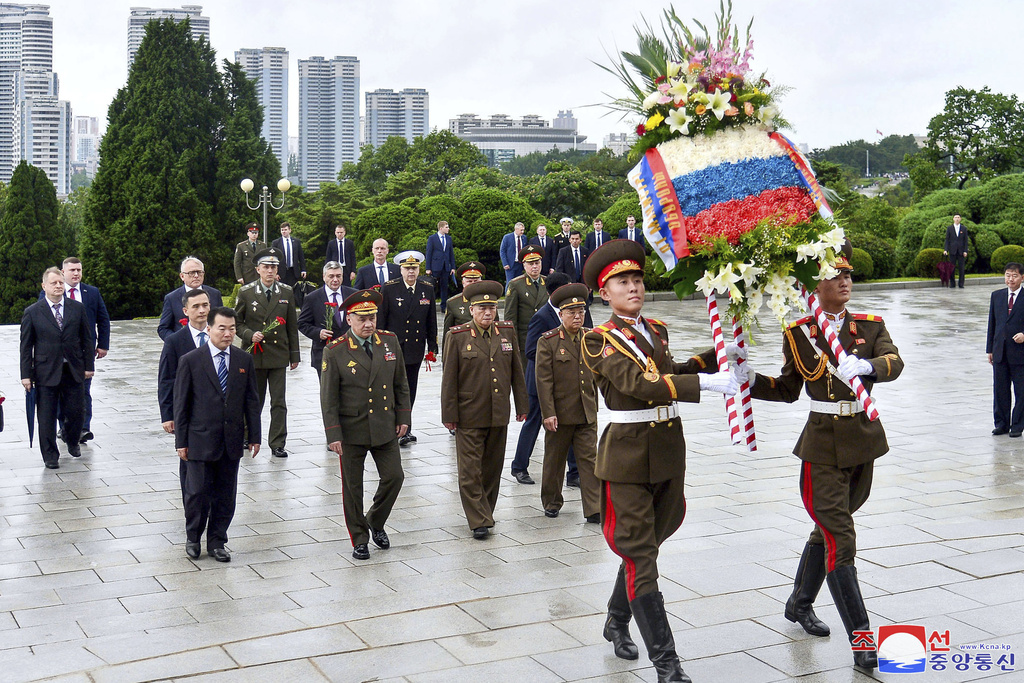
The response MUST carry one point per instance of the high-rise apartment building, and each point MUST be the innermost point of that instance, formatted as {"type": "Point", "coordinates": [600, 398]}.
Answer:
{"type": "Point", "coordinates": [140, 16]}
{"type": "Point", "coordinates": [85, 143]}
{"type": "Point", "coordinates": [268, 66]}
{"type": "Point", "coordinates": [328, 118]}
{"type": "Point", "coordinates": [26, 43]}
{"type": "Point", "coordinates": [402, 114]}
{"type": "Point", "coordinates": [42, 128]}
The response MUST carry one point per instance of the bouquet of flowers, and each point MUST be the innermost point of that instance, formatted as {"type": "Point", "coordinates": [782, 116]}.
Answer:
{"type": "Point", "coordinates": [270, 327]}
{"type": "Point", "coordinates": [330, 309]}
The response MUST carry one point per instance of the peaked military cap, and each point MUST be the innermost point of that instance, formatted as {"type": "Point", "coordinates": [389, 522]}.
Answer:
{"type": "Point", "coordinates": [483, 292]}
{"type": "Point", "coordinates": [613, 258]}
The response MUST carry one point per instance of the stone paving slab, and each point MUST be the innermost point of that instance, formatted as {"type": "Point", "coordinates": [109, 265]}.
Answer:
{"type": "Point", "coordinates": [95, 585]}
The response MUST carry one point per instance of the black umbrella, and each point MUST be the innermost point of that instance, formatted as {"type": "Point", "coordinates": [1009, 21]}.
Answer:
{"type": "Point", "coordinates": [30, 413]}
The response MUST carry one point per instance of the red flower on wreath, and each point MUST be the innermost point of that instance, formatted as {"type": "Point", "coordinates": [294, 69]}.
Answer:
{"type": "Point", "coordinates": [640, 130]}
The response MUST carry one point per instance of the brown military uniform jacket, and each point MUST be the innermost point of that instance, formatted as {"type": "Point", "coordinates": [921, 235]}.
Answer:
{"type": "Point", "coordinates": [480, 374]}
{"type": "Point", "coordinates": [244, 268]}
{"type": "Point", "coordinates": [364, 400]}
{"type": "Point", "coordinates": [645, 452]}
{"type": "Point", "coordinates": [840, 441]}
{"type": "Point", "coordinates": [525, 296]}
{"type": "Point", "coordinates": [281, 344]}
{"type": "Point", "coordinates": [457, 313]}
{"type": "Point", "coordinates": [565, 385]}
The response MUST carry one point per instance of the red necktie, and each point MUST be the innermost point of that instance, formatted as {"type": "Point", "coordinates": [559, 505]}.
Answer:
{"type": "Point", "coordinates": [1010, 309]}
{"type": "Point", "coordinates": [74, 299]}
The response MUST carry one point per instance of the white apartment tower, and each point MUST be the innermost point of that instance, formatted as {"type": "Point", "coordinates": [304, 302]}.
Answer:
{"type": "Point", "coordinates": [269, 68]}
{"type": "Point", "coordinates": [328, 118]}
{"type": "Point", "coordinates": [402, 114]}
{"type": "Point", "coordinates": [26, 43]}
{"type": "Point", "coordinates": [85, 143]}
{"type": "Point", "coordinates": [140, 16]}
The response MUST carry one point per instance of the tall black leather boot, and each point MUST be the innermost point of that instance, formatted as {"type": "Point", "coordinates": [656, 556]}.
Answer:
{"type": "Point", "coordinates": [652, 621]}
{"type": "Point", "coordinates": [842, 582]}
{"type": "Point", "coordinates": [810, 574]}
{"type": "Point", "coordinates": [616, 626]}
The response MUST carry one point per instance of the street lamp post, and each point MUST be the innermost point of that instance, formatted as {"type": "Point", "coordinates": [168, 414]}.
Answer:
{"type": "Point", "coordinates": [265, 199]}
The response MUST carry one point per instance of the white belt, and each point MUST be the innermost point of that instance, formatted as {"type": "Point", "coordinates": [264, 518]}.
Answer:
{"type": "Point", "coordinates": [844, 408]}
{"type": "Point", "coordinates": [657, 414]}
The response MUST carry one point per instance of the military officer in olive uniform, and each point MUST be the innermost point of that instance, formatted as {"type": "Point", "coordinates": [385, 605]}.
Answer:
{"type": "Point", "coordinates": [568, 404]}
{"type": "Point", "coordinates": [481, 359]}
{"type": "Point", "coordinates": [245, 251]}
{"type": "Point", "coordinates": [641, 459]}
{"type": "Point", "coordinates": [526, 293]}
{"type": "Point", "coordinates": [838, 446]}
{"type": "Point", "coordinates": [258, 305]}
{"type": "Point", "coordinates": [457, 307]}
{"type": "Point", "coordinates": [409, 311]}
{"type": "Point", "coordinates": [364, 397]}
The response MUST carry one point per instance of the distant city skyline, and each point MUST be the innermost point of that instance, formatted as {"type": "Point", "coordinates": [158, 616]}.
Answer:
{"type": "Point", "coordinates": [853, 68]}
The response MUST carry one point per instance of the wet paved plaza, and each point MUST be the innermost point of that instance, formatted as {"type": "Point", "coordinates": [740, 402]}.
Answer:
{"type": "Point", "coordinates": [95, 584]}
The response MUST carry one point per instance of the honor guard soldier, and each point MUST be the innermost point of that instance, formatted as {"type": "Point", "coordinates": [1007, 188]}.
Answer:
{"type": "Point", "coordinates": [526, 293]}
{"type": "Point", "coordinates": [568, 404]}
{"type": "Point", "coordinates": [641, 460]}
{"type": "Point", "coordinates": [364, 397]}
{"type": "Point", "coordinates": [481, 359]}
{"type": "Point", "coordinates": [259, 305]}
{"type": "Point", "coordinates": [457, 308]}
{"type": "Point", "coordinates": [245, 252]}
{"type": "Point", "coordinates": [838, 446]}
{"type": "Point", "coordinates": [408, 310]}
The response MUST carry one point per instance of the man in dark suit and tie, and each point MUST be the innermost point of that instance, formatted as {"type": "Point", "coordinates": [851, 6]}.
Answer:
{"type": "Point", "coordinates": [441, 261]}
{"type": "Point", "coordinates": [598, 237]}
{"type": "Point", "coordinates": [342, 250]}
{"type": "Point", "coordinates": [313, 317]}
{"type": "Point", "coordinates": [293, 261]}
{"type": "Point", "coordinates": [192, 275]}
{"type": "Point", "coordinates": [1005, 348]}
{"type": "Point", "coordinates": [955, 248]}
{"type": "Point", "coordinates": [511, 245]}
{"type": "Point", "coordinates": [379, 271]}
{"type": "Point", "coordinates": [631, 232]}
{"type": "Point", "coordinates": [547, 264]}
{"type": "Point", "coordinates": [572, 259]}
{"type": "Point", "coordinates": [216, 412]}
{"type": "Point", "coordinates": [57, 356]}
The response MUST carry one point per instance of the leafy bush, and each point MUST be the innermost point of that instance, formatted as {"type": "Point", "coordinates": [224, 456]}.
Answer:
{"type": "Point", "coordinates": [1007, 254]}
{"type": "Point", "coordinates": [1011, 232]}
{"type": "Point", "coordinates": [882, 252]}
{"type": "Point", "coordinates": [986, 242]}
{"type": "Point", "coordinates": [415, 239]}
{"type": "Point", "coordinates": [614, 216]}
{"type": "Point", "coordinates": [443, 207]}
{"type": "Point", "coordinates": [863, 267]}
{"type": "Point", "coordinates": [926, 261]}
{"type": "Point", "coordinates": [390, 222]}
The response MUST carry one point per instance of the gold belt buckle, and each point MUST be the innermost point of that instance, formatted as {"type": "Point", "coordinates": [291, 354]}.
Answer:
{"type": "Point", "coordinates": [657, 412]}
{"type": "Point", "coordinates": [845, 408]}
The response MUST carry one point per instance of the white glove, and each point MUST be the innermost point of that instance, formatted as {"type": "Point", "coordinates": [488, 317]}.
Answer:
{"type": "Point", "coordinates": [721, 382]}
{"type": "Point", "coordinates": [851, 366]}
{"type": "Point", "coordinates": [734, 351]}
{"type": "Point", "coordinates": [742, 375]}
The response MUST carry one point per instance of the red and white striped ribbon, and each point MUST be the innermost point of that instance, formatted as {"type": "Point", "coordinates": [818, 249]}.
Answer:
{"type": "Point", "coordinates": [723, 365]}
{"type": "Point", "coordinates": [746, 410]}
{"type": "Point", "coordinates": [832, 337]}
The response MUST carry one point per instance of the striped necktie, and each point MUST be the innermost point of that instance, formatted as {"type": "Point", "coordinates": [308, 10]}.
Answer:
{"type": "Point", "coordinates": [222, 370]}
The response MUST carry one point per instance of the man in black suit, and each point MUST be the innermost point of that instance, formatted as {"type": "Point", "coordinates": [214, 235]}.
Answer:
{"type": "Point", "coordinates": [407, 310]}
{"type": "Point", "coordinates": [215, 407]}
{"type": "Point", "coordinates": [192, 275]}
{"type": "Point", "coordinates": [598, 237]}
{"type": "Point", "coordinates": [293, 261]}
{"type": "Point", "coordinates": [57, 356]}
{"type": "Point", "coordinates": [378, 271]}
{"type": "Point", "coordinates": [1005, 348]}
{"type": "Point", "coordinates": [547, 262]}
{"type": "Point", "coordinates": [440, 261]}
{"type": "Point", "coordinates": [955, 248]}
{"type": "Point", "coordinates": [342, 250]}
{"type": "Point", "coordinates": [631, 232]}
{"type": "Point", "coordinates": [313, 316]}
{"type": "Point", "coordinates": [572, 258]}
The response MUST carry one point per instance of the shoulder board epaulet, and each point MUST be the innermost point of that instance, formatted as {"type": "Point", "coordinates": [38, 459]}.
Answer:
{"type": "Point", "coordinates": [655, 321]}
{"type": "Point", "coordinates": [865, 316]}
{"type": "Point", "coordinates": [386, 333]}
{"type": "Point", "coordinates": [284, 286]}
{"type": "Point", "coordinates": [606, 327]}
{"type": "Point", "coordinates": [251, 285]}
{"type": "Point", "coordinates": [392, 281]}
{"type": "Point", "coordinates": [335, 342]}
{"type": "Point", "coordinates": [550, 333]}
{"type": "Point", "coordinates": [464, 327]}
{"type": "Point", "coordinates": [799, 322]}
{"type": "Point", "coordinates": [504, 323]}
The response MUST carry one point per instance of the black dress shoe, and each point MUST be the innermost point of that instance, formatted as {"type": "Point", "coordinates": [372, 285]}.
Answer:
{"type": "Point", "coordinates": [219, 554]}
{"type": "Point", "coordinates": [86, 436]}
{"type": "Point", "coordinates": [1014, 435]}
{"type": "Point", "coordinates": [380, 538]}
{"type": "Point", "coordinates": [52, 465]}
{"type": "Point", "coordinates": [74, 450]}
{"type": "Point", "coordinates": [551, 513]}
{"type": "Point", "coordinates": [404, 440]}
{"type": "Point", "coordinates": [280, 453]}
{"type": "Point", "coordinates": [573, 482]}
{"type": "Point", "coordinates": [192, 550]}
{"type": "Point", "coordinates": [361, 552]}
{"type": "Point", "coordinates": [412, 437]}
{"type": "Point", "coordinates": [523, 477]}
{"type": "Point", "coordinates": [480, 533]}
{"type": "Point", "coordinates": [594, 518]}
{"type": "Point", "coordinates": [452, 432]}
{"type": "Point", "coordinates": [999, 431]}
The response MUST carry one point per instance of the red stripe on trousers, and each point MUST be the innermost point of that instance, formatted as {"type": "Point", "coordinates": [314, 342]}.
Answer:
{"type": "Point", "coordinates": [807, 494]}
{"type": "Point", "coordinates": [609, 536]}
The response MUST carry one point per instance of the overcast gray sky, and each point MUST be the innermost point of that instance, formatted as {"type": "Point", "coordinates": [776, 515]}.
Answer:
{"type": "Point", "coordinates": [854, 66]}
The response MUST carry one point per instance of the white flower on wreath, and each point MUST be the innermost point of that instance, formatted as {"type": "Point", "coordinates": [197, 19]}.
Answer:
{"type": "Point", "coordinates": [679, 121]}
{"type": "Point", "coordinates": [765, 115]}
{"type": "Point", "coordinates": [834, 239]}
{"type": "Point", "coordinates": [654, 99]}
{"type": "Point", "coordinates": [814, 251]}
{"type": "Point", "coordinates": [719, 103]}
{"type": "Point", "coordinates": [748, 272]}
{"type": "Point", "coordinates": [724, 281]}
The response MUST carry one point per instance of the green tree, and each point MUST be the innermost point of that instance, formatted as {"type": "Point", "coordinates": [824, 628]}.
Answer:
{"type": "Point", "coordinates": [565, 190]}
{"type": "Point", "coordinates": [80, 179]}
{"type": "Point", "coordinates": [375, 166]}
{"type": "Point", "coordinates": [30, 240]}
{"type": "Point", "coordinates": [925, 175]}
{"type": "Point", "coordinates": [442, 155]}
{"type": "Point", "coordinates": [313, 216]}
{"type": "Point", "coordinates": [71, 218]}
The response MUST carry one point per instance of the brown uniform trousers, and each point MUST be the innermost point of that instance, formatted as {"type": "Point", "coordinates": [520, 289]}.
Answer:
{"type": "Point", "coordinates": [565, 389]}
{"type": "Point", "coordinates": [524, 297]}
{"type": "Point", "coordinates": [476, 368]}
{"type": "Point", "coordinates": [363, 401]}
{"type": "Point", "coordinates": [838, 451]}
{"type": "Point", "coordinates": [642, 465]}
